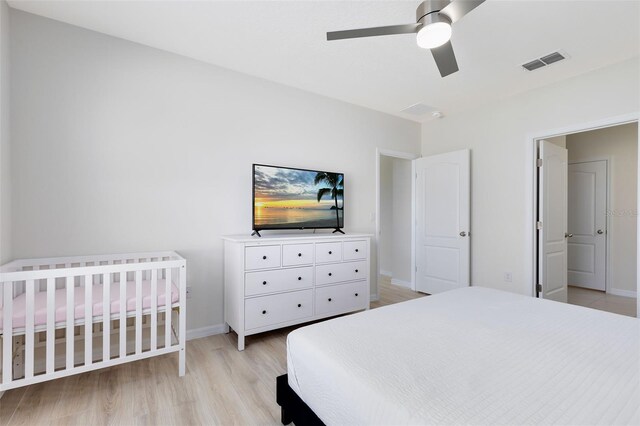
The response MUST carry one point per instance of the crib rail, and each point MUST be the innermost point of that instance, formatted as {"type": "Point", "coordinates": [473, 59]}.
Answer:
{"type": "Point", "coordinates": [25, 283]}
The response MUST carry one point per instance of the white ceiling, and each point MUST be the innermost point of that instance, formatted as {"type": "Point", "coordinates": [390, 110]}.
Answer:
{"type": "Point", "coordinates": [285, 42]}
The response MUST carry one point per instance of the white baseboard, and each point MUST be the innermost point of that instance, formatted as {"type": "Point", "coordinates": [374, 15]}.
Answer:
{"type": "Point", "coordinates": [623, 293]}
{"type": "Point", "coordinates": [386, 273]}
{"type": "Point", "coordinates": [400, 283]}
{"type": "Point", "coordinates": [212, 330]}
{"type": "Point", "coordinates": [374, 298]}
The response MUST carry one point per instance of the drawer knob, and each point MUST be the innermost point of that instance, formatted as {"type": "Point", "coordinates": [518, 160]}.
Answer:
{"type": "Point", "coordinates": [356, 271]}
{"type": "Point", "coordinates": [329, 273]}
{"type": "Point", "coordinates": [329, 299]}
{"type": "Point", "coordinates": [264, 312]}
{"type": "Point", "coordinates": [299, 278]}
{"type": "Point", "coordinates": [299, 254]}
{"type": "Point", "coordinates": [264, 283]}
{"type": "Point", "coordinates": [264, 257]}
{"type": "Point", "coordinates": [299, 305]}
{"type": "Point", "coordinates": [330, 251]}
{"type": "Point", "coordinates": [356, 294]}
{"type": "Point", "coordinates": [356, 250]}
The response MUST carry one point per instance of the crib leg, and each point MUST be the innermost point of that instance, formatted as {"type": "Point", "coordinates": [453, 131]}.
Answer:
{"type": "Point", "coordinates": [182, 361]}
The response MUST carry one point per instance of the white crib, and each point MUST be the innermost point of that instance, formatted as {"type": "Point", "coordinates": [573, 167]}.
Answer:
{"type": "Point", "coordinates": [53, 322]}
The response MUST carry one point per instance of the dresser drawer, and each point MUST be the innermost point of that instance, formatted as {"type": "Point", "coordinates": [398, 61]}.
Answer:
{"type": "Point", "coordinates": [354, 250]}
{"type": "Point", "coordinates": [262, 282]}
{"type": "Point", "coordinates": [297, 254]}
{"type": "Point", "coordinates": [328, 252]}
{"type": "Point", "coordinates": [342, 298]}
{"type": "Point", "coordinates": [262, 257]}
{"type": "Point", "coordinates": [278, 308]}
{"type": "Point", "coordinates": [340, 272]}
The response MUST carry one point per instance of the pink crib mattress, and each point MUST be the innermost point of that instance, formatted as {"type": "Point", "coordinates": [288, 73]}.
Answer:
{"type": "Point", "coordinates": [40, 311]}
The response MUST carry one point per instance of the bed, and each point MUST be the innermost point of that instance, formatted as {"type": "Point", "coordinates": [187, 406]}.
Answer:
{"type": "Point", "coordinates": [468, 356]}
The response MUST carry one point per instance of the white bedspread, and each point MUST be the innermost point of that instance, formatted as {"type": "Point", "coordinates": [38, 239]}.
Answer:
{"type": "Point", "coordinates": [470, 356]}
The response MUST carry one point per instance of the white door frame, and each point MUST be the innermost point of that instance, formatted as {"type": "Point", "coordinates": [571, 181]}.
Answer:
{"type": "Point", "coordinates": [532, 187]}
{"type": "Point", "coordinates": [607, 235]}
{"type": "Point", "coordinates": [404, 156]}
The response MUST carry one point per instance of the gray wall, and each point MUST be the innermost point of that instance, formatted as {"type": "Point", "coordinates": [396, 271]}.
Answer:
{"type": "Point", "coordinates": [118, 147]}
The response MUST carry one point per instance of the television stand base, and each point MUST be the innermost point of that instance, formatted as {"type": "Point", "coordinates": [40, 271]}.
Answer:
{"type": "Point", "coordinates": [338, 230]}
{"type": "Point", "coordinates": [256, 232]}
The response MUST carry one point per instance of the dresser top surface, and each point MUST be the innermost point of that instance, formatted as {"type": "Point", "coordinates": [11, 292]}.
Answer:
{"type": "Point", "coordinates": [293, 237]}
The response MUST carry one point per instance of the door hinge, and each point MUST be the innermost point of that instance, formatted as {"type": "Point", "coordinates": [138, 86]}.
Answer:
{"type": "Point", "coordinates": [538, 225]}
{"type": "Point", "coordinates": [539, 162]}
{"type": "Point", "coordinates": [539, 288]}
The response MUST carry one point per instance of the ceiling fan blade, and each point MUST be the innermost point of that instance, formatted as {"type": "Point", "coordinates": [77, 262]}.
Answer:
{"type": "Point", "coordinates": [376, 31]}
{"type": "Point", "coordinates": [458, 8]}
{"type": "Point", "coordinates": [445, 59]}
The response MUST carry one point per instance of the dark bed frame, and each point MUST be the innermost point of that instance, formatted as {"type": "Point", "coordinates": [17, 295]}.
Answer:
{"type": "Point", "coordinates": [292, 407]}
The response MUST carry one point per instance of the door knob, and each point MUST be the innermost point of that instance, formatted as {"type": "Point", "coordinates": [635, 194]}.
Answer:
{"type": "Point", "coordinates": [568, 235]}
{"type": "Point", "coordinates": [600, 231]}
{"type": "Point", "coordinates": [463, 234]}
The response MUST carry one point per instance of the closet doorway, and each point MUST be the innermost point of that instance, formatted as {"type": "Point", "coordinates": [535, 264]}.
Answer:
{"type": "Point", "coordinates": [395, 216]}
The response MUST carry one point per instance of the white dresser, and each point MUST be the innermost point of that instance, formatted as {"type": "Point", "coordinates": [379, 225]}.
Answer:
{"type": "Point", "coordinates": [279, 280]}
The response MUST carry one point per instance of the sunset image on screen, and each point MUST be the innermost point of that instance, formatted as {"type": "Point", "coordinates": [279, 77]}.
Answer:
{"type": "Point", "coordinates": [290, 198]}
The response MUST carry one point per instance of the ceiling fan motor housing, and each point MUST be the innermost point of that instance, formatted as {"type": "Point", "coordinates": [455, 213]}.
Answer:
{"type": "Point", "coordinates": [427, 12]}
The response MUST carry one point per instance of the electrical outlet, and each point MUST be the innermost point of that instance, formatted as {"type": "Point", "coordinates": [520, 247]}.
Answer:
{"type": "Point", "coordinates": [189, 290]}
{"type": "Point", "coordinates": [508, 277]}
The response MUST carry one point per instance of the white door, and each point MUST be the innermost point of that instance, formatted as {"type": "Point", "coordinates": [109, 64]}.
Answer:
{"type": "Point", "coordinates": [552, 222]}
{"type": "Point", "coordinates": [442, 222]}
{"type": "Point", "coordinates": [587, 224]}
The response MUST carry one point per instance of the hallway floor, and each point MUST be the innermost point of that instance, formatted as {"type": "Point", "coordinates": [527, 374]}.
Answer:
{"type": "Point", "coordinates": [602, 301]}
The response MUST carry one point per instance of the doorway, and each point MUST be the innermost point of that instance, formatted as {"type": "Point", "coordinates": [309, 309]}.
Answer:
{"type": "Point", "coordinates": [586, 218]}
{"type": "Point", "coordinates": [394, 220]}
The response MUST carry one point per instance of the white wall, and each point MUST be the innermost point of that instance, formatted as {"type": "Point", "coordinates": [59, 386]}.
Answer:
{"type": "Point", "coordinates": [500, 151]}
{"type": "Point", "coordinates": [5, 150]}
{"type": "Point", "coordinates": [385, 240]}
{"type": "Point", "coordinates": [620, 145]}
{"type": "Point", "coordinates": [118, 147]}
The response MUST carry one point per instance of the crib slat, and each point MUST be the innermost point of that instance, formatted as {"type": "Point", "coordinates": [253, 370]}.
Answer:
{"type": "Point", "coordinates": [88, 319]}
{"type": "Point", "coordinates": [51, 324]}
{"type": "Point", "coordinates": [138, 312]}
{"type": "Point", "coordinates": [154, 309]}
{"type": "Point", "coordinates": [123, 314]}
{"type": "Point", "coordinates": [69, 335]}
{"type": "Point", "coordinates": [167, 306]}
{"type": "Point", "coordinates": [7, 332]}
{"type": "Point", "coordinates": [106, 317]}
{"type": "Point", "coordinates": [29, 329]}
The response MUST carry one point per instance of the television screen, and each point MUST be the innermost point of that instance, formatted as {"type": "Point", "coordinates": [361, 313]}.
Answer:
{"type": "Point", "coordinates": [286, 198]}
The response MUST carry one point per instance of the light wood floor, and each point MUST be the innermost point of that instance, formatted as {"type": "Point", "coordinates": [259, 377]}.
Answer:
{"type": "Point", "coordinates": [602, 301]}
{"type": "Point", "coordinates": [222, 385]}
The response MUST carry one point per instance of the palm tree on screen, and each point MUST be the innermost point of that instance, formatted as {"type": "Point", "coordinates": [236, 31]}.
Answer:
{"type": "Point", "coordinates": [334, 188]}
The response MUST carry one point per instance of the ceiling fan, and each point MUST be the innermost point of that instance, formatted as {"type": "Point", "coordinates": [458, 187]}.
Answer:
{"type": "Point", "coordinates": [433, 28]}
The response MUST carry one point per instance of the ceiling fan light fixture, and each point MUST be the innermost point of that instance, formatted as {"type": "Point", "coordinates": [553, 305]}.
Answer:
{"type": "Point", "coordinates": [435, 31]}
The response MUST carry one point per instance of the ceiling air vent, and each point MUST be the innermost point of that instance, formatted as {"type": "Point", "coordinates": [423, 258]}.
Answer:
{"type": "Point", "coordinates": [544, 61]}
{"type": "Point", "coordinates": [418, 109]}
{"type": "Point", "coordinates": [534, 65]}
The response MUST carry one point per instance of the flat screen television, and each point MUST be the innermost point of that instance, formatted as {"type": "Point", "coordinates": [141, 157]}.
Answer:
{"type": "Point", "coordinates": [287, 198]}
